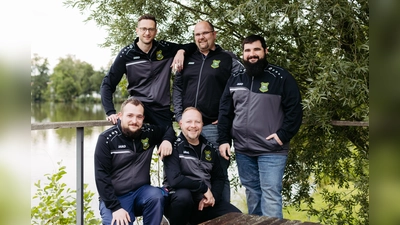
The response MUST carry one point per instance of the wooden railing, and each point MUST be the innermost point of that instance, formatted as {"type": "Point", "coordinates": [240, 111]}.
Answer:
{"type": "Point", "coordinates": [80, 125]}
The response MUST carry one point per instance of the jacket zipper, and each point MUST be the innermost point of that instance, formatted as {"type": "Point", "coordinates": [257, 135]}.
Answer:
{"type": "Point", "coordinates": [152, 52]}
{"type": "Point", "coordinates": [198, 82]}
{"type": "Point", "coordinates": [248, 108]}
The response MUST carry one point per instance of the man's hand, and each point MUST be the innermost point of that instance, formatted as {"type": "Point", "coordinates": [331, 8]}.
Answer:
{"type": "Point", "coordinates": [215, 122]}
{"type": "Point", "coordinates": [177, 63]}
{"type": "Point", "coordinates": [225, 151]}
{"type": "Point", "coordinates": [207, 201]}
{"type": "Point", "coordinates": [112, 118]}
{"type": "Point", "coordinates": [120, 217]}
{"type": "Point", "coordinates": [165, 149]}
{"type": "Point", "coordinates": [275, 136]}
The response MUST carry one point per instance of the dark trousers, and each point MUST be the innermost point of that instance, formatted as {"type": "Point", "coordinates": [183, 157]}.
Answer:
{"type": "Point", "coordinates": [160, 117]}
{"type": "Point", "coordinates": [181, 209]}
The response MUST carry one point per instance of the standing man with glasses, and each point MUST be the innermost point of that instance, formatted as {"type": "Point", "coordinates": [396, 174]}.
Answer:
{"type": "Point", "coordinates": [147, 66]}
{"type": "Point", "coordinates": [202, 83]}
{"type": "Point", "coordinates": [261, 111]}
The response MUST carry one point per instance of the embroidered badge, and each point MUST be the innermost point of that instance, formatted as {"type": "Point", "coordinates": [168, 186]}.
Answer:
{"type": "Point", "coordinates": [208, 155]}
{"type": "Point", "coordinates": [215, 63]}
{"type": "Point", "coordinates": [159, 55]}
{"type": "Point", "coordinates": [264, 87]}
{"type": "Point", "coordinates": [145, 143]}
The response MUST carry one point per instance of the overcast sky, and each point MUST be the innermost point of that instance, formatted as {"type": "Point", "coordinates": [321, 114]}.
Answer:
{"type": "Point", "coordinates": [59, 31]}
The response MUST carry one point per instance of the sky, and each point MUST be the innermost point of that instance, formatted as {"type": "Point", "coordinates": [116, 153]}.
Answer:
{"type": "Point", "coordinates": [58, 31]}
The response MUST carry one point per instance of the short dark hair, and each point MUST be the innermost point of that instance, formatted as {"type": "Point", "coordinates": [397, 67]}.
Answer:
{"type": "Point", "coordinates": [132, 100]}
{"type": "Point", "coordinates": [252, 38]}
{"type": "Point", "coordinates": [148, 17]}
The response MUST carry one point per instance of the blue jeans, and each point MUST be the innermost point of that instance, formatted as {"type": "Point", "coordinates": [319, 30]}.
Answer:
{"type": "Point", "coordinates": [210, 132]}
{"type": "Point", "coordinates": [262, 177]}
{"type": "Point", "coordinates": [147, 201]}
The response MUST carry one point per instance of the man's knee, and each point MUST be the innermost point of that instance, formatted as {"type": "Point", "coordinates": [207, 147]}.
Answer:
{"type": "Point", "coordinates": [155, 196]}
{"type": "Point", "coordinates": [182, 198]}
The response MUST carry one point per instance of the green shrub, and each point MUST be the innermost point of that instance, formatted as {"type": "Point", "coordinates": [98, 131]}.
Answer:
{"type": "Point", "coordinates": [57, 202]}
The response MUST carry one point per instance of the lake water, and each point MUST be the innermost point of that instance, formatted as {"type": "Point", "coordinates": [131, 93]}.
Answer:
{"type": "Point", "coordinates": [48, 147]}
{"type": "Point", "coordinates": [59, 145]}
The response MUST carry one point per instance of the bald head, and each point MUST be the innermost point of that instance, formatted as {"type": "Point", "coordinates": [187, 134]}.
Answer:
{"type": "Point", "coordinates": [205, 36]}
{"type": "Point", "coordinates": [191, 125]}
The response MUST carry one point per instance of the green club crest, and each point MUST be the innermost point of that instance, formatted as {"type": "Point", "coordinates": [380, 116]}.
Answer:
{"type": "Point", "coordinates": [208, 155]}
{"type": "Point", "coordinates": [215, 63]}
{"type": "Point", "coordinates": [264, 87]}
{"type": "Point", "coordinates": [159, 55]}
{"type": "Point", "coordinates": [145, 143]}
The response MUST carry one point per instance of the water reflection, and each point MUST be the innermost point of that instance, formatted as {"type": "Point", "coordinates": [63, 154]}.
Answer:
{"type": "Point", "coordinates": [57, 112]}
{"type": "Point", "coordinates": [54, 145]}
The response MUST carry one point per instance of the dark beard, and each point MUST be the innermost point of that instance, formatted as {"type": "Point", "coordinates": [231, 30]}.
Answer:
{"type": "Point", "coordinates": [254, 69]}
{"type": "Point", "coordinates": [130, 134]}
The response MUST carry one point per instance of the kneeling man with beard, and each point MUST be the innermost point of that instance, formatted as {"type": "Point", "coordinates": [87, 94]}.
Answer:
{"type": "Point", "coordinates": [122, 167]}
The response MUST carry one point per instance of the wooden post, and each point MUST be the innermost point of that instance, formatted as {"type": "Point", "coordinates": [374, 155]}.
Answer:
{"type": "Point", "coordinates": [79, 176]}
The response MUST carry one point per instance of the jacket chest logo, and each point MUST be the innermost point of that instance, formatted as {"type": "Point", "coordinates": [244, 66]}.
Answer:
{"type": "Point", "coordinates": [145, 143]}
{"type": "Point", "coordinates": [208, 155]}
{"type": "Point", "coordinates": [215, 63]}
{"type": "Point", "coordinates": [264, 87]}
{"type": "Point", "coordinates": [159, 55]}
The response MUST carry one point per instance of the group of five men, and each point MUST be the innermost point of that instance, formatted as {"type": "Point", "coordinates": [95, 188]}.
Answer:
{"type": "Point", "coordinates": [216, 99]}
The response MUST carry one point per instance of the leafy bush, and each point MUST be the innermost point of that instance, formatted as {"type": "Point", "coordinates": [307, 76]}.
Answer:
{"type": "Point", "coordinates": [58, 202]}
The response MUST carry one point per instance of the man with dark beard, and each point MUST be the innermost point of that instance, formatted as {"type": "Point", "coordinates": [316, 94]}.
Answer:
{"type": "Point", "coordinates": [261, 111]}
{"type": "Point", "coordinates": [122, 167]}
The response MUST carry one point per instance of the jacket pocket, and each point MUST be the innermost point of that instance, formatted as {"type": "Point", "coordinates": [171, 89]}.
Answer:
{"type": "Point", "coordinates": [273, 145]}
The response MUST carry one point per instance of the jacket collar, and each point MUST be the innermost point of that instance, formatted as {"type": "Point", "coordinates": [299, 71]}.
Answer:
{"type": "Point", "coordinates": [217, 49]}
{"type": "Point", "coordinates": [201, 138]}
{"type": "Point", "coordinates": [137, 49]}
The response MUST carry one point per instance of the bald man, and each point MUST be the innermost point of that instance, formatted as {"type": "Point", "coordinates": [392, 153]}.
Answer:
{"type": "Point", "coordinates": [194, 176]}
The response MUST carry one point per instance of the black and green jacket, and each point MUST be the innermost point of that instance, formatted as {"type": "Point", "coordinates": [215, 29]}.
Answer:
{"type": "Point", "coordinates": [123, 164]}
{"type": "Point", "coordinates": [253, 107]}
{"type": "Point", "coordinates": [184, 168]}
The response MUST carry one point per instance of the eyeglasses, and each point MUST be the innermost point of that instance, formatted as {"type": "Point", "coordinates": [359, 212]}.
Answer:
{"type": "Point", "coordinates": [203, 34]}
{"type": "Point", "coordinates": [144, 29]}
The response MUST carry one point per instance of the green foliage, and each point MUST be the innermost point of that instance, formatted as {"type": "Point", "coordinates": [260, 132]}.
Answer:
{"type": "Point", "coordinates": [121, 92]}
{"type": "Point", "coordinates": [57, 202]}
{"type": "Point", "coordinates": [39, 77]}
{"type": "Point", "coordinates": [324, 44]}
{"type": "Point", "coordinates": [72, 78]}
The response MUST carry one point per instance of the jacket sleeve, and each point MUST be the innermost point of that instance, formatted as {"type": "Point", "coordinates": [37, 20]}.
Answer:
{"type": "Point", "coordinates": [173, 48]}
{"type": "Point", "coordinates": [225, 116]}
{"type": "Point", "coordinates": [110, 82]}
{"type": "Point", "coordinates": [169, 134]}
{"type": "Point", "coordinates": [176, 179]}
{"type": "Point", "coordinates": [103, 166]}
{"type": "Point", "coordinates": [177, 96]}
{"type": "Point", "coordinates": [291, 105]}
{"type": "Point", "coordinates": [217, 179]}
{"type": "Point", "coordinates": [189, 48]}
